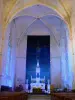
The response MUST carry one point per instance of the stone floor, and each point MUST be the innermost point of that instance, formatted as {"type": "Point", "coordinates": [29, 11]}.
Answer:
{"type": "Point", "coordinates": [39, 97]}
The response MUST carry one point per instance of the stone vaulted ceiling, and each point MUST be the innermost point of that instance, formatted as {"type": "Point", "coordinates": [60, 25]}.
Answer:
{"type": "Point", "coordinates": [11, 7]}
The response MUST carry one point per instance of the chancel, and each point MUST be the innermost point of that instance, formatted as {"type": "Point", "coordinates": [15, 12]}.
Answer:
{"type": "Point", "coordinates": [38, 63]}
{"type": "Point", "coordinates": [37, 49]}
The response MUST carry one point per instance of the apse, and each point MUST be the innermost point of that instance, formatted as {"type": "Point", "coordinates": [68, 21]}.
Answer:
{"type": "Point", "coordinates": [39, 21]}
{"type": "Point", "coordinates": [38, 63]}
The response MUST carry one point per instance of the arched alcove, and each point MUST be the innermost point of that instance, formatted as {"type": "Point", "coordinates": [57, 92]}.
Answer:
{"type": "Point", "coordinates": [39, 20]}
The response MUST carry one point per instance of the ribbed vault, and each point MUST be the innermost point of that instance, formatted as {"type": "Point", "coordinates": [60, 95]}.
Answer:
{"type": "Point", "coordinates": [53, 17]}
{"type": "Point", "coordinates": [37, 20]}
{"type": "Point", "coordinates": [37, 15]}
{"type": "Point", "coordinates": [13, 6]}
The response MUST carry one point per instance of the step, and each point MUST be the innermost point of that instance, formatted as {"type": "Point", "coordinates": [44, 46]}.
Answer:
{"type": "Point", "coordinates": [39, 97]}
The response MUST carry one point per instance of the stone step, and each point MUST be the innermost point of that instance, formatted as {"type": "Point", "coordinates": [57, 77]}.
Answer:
{"type": "Point", "coordinates": [39, 97]}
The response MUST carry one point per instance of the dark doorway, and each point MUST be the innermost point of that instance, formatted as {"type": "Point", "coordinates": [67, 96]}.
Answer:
{"type": "Point", "coordinates": [38, 62]}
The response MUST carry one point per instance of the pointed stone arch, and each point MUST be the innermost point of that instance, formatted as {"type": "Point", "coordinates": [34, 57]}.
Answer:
{"type": "Point", "coordinates": [14, 12]}
{"type": "Point", "coordinates": [15, 9]}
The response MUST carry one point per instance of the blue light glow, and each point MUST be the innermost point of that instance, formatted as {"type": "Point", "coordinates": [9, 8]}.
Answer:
{"type": "Point", "coordinates": [8, 60]}
{"type": "Point", "coordinates": [7, 78]}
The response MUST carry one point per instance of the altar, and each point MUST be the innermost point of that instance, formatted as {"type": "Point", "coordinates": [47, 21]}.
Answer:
{"type": "Point", "coordinates": [38, 82]}
{"type": "Point", "coordinates": [36, 85]}
{"type": "Point", "coordinates": [38, 64]}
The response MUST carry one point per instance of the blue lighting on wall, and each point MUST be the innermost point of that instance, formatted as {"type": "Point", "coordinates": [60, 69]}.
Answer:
{"type": "Point", "coordinates": [38, 58]}
{"type": "Point", "coordinates": [8, 66]}
{"type": "Point", "coordinates": [8, 60]}
{"type": "Point", "coordinates": [7, 78]}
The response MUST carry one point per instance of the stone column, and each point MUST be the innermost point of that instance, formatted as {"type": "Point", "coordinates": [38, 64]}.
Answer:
{"type": "Point", "coordinates": [69, 58]}
{"type": "Point", "coordinates": [1, 14]}
{"type": "Point", "coordinates": [13, 43]}
{"type": "Point", "coordinates": [73, 42]}
{"type": "Point", "coordinates": [63, 56]}
{"type": "Point", "coordinates": [63, 63]}
{"type": "Point", "coordinates": [4, 56]}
